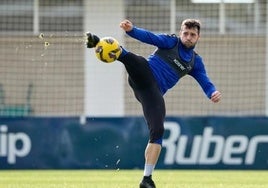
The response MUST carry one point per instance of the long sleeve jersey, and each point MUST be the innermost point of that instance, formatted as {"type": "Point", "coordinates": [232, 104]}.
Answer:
{"type": "Point", "coordinates": [164, 74]}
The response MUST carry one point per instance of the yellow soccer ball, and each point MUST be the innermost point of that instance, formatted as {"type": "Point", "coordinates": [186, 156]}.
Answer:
{"type": "Point", "coordinates": [108, 49]}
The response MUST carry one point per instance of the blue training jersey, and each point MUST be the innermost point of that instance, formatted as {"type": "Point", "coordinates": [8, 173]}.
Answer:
{"type": "Point", "coordinates": [165, 75]}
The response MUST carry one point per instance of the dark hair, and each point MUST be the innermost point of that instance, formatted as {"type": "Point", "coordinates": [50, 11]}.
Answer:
{"type": "Point", "coordinates": [192, 23]}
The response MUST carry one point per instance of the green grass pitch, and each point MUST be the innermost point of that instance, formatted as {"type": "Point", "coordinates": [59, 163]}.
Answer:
{"type": "Point", "coordinates": [131, 178]}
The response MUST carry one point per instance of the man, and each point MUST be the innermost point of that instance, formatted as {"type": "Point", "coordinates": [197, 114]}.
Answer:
{"type": "Point", "coordinates": [150, 79]}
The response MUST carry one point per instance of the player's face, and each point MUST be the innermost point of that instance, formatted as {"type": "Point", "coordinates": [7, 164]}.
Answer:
{"type": "Point", "coordinates": [189, 37]}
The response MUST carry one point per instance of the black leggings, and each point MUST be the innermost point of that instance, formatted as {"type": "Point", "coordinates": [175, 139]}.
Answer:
{"type": "Point", "coordinates": [147, 93]}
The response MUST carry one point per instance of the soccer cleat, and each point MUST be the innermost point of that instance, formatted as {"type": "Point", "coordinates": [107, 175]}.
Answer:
{"type": "Point", "coordinates": [147, 182]}
{"type": "Point", "coordinates": [92, 40]}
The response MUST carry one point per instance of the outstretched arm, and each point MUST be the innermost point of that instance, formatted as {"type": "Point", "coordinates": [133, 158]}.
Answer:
{"type": "Point", "coordinates": [200, 75]}
{"type": "Point", "coordinates": [148, 37]}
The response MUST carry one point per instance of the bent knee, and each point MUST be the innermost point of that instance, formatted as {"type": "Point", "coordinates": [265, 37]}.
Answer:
{"type": "Point", "coordinates": [156, 135]}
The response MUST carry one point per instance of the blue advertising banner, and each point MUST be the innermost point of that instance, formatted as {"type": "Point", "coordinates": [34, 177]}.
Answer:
{"type": "Point", "coordinates": [112, 143]}
{"type": "Point", "coordinates": [215, 143]}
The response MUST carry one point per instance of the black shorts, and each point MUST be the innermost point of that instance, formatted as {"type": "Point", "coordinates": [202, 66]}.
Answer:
{"type": "Point", "coordinates": [147, 92]}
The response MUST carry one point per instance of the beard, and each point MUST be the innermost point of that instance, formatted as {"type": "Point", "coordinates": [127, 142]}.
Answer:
{"type": "Point", "coordinates": [188, 44]}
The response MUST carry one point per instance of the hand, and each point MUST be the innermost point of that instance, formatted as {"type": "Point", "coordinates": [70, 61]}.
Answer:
{"type": "Point", "coordinates": [92, 40]}
{"type": "Point", "coordinates": [126, 25]}
{"type": "Point", "coordinates": [215, 97]}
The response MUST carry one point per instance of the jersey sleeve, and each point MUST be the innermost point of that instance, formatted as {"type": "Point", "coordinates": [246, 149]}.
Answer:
{"type": "Point", "coordinates": [148, 37]}
{"type": "Point", "coordinates": [200, 75]}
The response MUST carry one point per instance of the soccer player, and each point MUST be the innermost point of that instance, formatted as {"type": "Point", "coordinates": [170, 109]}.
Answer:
{"type": "Point", "coordinates": [151, 78]}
